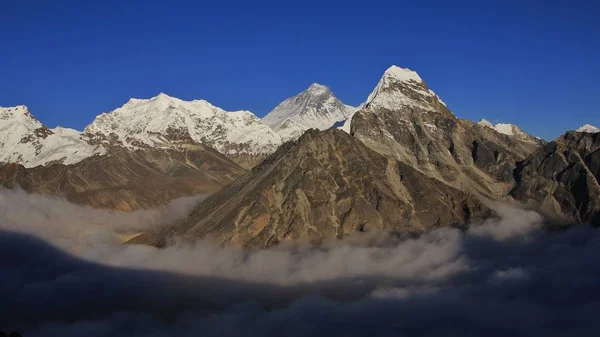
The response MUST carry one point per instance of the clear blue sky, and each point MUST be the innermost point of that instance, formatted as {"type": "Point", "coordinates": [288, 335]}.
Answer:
{"type": "Point", "coordinates": [533, 63]}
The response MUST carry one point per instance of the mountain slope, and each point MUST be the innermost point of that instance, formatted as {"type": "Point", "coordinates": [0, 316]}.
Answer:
{"type": "Point", "coordinates": [163, 121]}
{"type": "Point", "coordinates": [562, 178]}
{"type": "Point", "coordinates": [24, 140]}
{"type": "Point", "coordinates": [325, 185]}
{"type": "Point", "coordinates": [126, 180]}
{"type": "Point", "coordinates": [404, 119]}
{"type": "Point", "coordinates": [314, 108]}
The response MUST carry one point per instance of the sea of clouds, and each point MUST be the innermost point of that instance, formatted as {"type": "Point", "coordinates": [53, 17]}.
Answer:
{"type": "Point", "coordinates": [65, 272]}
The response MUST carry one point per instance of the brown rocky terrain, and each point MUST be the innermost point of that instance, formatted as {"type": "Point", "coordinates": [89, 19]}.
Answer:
{"type": "Point", "coordinates": [408, 165]}
{"type": "Point", "coordinates": [561, 179]}
{"type": "Point", "coordinates": [326, 185]}
{"type": "Point", "coordinates": [127, 180]}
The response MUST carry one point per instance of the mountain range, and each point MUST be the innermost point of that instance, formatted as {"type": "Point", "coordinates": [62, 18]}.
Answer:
{"type": "Point", "coordinates": [312, 169]}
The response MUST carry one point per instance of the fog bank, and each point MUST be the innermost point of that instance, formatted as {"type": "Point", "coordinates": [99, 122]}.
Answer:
{"type": "Point", "coordinates": [66, 273]}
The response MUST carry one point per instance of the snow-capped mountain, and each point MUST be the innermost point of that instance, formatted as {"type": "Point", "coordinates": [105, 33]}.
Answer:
{"type": "Point", "coordinates": [509, 130]}
{"type": "Point", "coordinates": [400, 88]}
{"type": "Point", "coordinates": [165, 121]}
{"type": "Point", "coordinates": [24, 140]}
{"type": "Point", "coordinates": [314, 108]}
{"type": "Point", "coordinates": [588, 128]}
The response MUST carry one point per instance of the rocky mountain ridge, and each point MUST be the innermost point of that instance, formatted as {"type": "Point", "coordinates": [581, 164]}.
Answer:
{"type": "Point", "coordinates": [326, 185]}
{"type": "Point", "coordinates": [509, 130]}
{"type": "Point", "coordinates": [127, 180]}
{"type": "Point", "coordinates": [562, 178]}
{"type": "Point", "coordinates": [408, 164]}
{"type": "Point", "coordinates": [168, 122]}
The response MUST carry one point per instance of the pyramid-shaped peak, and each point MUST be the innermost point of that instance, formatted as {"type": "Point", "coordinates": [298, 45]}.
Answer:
{"type": "Point", "coordinates": [401, 87]}
{"type": "Point", "coordinates": [402, 74]}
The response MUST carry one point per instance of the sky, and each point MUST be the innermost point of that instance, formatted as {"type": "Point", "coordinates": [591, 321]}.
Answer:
{"type": "Point", "coordinates": [532, 63]}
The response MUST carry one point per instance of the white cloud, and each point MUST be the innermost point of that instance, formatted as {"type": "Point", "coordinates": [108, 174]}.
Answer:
{"type": "Point", "coordinates": [504, 277]}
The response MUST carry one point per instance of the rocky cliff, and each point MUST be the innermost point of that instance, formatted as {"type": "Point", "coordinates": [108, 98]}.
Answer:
{"type": "Point", "coordinates": [326, 185]}
{"type": "Point", "coordinates": [562, 178]}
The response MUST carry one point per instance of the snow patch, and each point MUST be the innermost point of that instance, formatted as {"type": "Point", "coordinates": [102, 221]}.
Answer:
{"type": "Point", "coordinates": [588, 128]}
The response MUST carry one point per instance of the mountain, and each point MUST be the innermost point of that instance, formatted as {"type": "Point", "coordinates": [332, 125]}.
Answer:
{"type": "Point", "coordinates": [509, 130]}
{"type": "Point", "coordinates": [562, 178]}
{"type": "Point", "coordinates": [407, 165]}
{"type": "Point", "coordinates": [404, 119]}
{"type": "Point", "coordinates": [588, 128]}
{"type": "Point", "coordinates": [326, 185]}
{"type": "Point", "coordinates": [165, 122]}
{"type": "Point", "coordinates": [125, 179]}
{"type": "Point", "coordinates": [314, 108]}
{"type": "Point", "coordinates": [24, 140]}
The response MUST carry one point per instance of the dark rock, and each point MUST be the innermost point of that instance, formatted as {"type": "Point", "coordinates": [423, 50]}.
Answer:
{"type": "Point", "coordinates": [562, 178]}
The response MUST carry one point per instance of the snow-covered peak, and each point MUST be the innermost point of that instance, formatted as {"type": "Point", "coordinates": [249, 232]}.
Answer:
{"type": "Point", "coordinates": [315, 107]}
{"type": "Point", "coordinates": [588, 128]}
{"type": "Point", "coordinates": [508, 129]}
{"type": "Point", "coordinates": [317, 89]}
{"type": "Point", "coordinates": [25, 140]}
{"type": "Point", "coordinates": [165, 121]}
{"type": "Point", "coordinates": [399, 88]}
{"type": "Point", "coordinates": [399, 74]}
{"type": "Point", "coordinates": [18, 115]}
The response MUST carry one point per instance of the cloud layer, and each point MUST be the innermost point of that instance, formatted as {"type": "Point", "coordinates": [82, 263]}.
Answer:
{"type": "Point", "coordinates": [65, 273]}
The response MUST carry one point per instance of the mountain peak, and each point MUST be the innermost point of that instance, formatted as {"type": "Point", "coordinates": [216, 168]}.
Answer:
{"type": "Point", "coordinates": [316, 87]}
{"type": "Point", "coordinates": [400, 88]}
{"type": "Point", "coordinates": [19, 114]}
{"type": "Point", "coordinates": [162, 97]}
{"type": "Point", "coordinates": [588, 128]}
{"type": "Point", "coordinates": [314, 108]}
{"type": "Point", "coordinates": [402, 74]}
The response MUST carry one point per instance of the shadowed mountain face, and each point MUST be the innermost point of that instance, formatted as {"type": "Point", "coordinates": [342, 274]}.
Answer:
{"type": "Point", "coordinates": [127, 180]}
{"type": "Point", "coordinates": [326, 185]}
{"type": "Point", "coordinates": [562, 177]}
